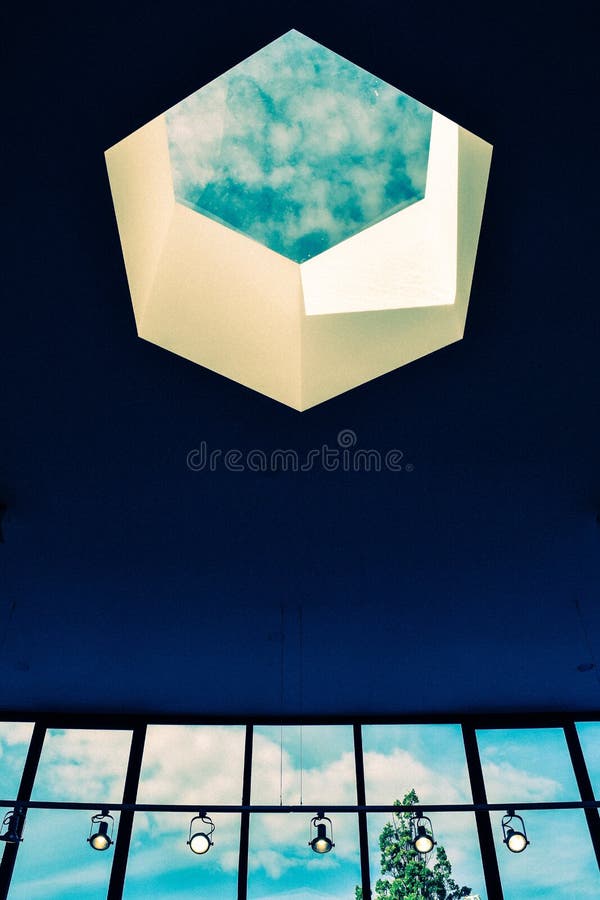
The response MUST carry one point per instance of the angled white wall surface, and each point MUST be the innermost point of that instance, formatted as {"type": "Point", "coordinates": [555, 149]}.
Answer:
{"type": "Point", "coordinates": [300, 333]}
{"type": "Point", "coordinates": [406, 260]}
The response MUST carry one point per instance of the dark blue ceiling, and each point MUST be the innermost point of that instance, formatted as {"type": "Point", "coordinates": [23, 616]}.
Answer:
{"type": "Point", "coordinates": [132, 583]}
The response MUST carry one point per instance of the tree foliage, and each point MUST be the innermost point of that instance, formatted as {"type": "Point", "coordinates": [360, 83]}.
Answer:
{"type": "Point", "coordinates": [405, 873]}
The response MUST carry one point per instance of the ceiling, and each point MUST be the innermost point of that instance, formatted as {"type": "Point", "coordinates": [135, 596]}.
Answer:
{"type": "Point", "coordinates": [132, 583]}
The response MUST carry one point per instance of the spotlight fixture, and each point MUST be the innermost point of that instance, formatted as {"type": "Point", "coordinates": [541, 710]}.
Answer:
{"type": "Point", "coordinates": [321, 842]}
{"type": "Point", "coordinates": [200, 841]}
{"type": "Point", "coordinates": [100, 839]}
{"type": "Point", "coordinates": [13, 822]}
{"type": "Point", "coordinates": [422, 834]}
{"type": "Point", "coordinates": [515, 838]}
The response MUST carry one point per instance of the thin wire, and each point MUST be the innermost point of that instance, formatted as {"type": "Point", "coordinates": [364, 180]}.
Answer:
{"type": "Point", "coordinates": [301, 701]}
{"type": "Point", "coordinates": [281, 765]}
{"type": "Point", "coordinates": [281, 698]}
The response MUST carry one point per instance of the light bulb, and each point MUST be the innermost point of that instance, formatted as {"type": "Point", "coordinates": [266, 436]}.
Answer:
{"type": "Point", "coordinates": [200, 843]}
{"type": "Point", "coordinates": [321, 844]}
{"type": "Point", "coordinates": [515, 841]}
{"type": "Point", "coordinates": [423, 842]}
{"type": "Point", "coordinates": [100, 840]}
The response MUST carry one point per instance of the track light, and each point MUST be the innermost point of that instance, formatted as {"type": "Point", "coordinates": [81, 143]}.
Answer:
{"type": "Point", "coordinates": [422, 834]}
{"type": "Point", "coordinates": [13, 821]}
{"type": "Point", "coordinates": [100, 839]}
{"type": "Point", "coordinates": [515, 838]}
{"type": "Point", "coordinates": [321, 842]}
{"type": "Point", "coordinates": [200, 841]}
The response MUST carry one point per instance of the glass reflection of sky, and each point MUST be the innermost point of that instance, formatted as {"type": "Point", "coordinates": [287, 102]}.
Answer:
{"type": "Point", "coordinates": [456, 832]}
{"type": "Point", "coordinates": [428, 758]}
{"type": "Point", "coordinates": [533, 764]}
{"type": "Point", "coordinates": [14, 743]}
{"type": "Point", "coordinates": [187, 764]}
{"type": "Point", "coordinates": [82, 764]}
{"type": "Point", "coordinates": [589, 738]}
{"type": "Point", "coordinates": [315, 762]}
{"type": "Point", "coordinates": [55, 862]}
{"type": "Point", "coordinates": [192, 764]}
{"type": "Point", "coordinates": [281, 864]}
{"type": "Point", "coordinates": [558, 864]}
{"type": "Point", "coordinates": [161, 865]}
{"type": "Point", "coordinates": [528, 764]}
{"type": "Point", "coordinates": [298, 148]}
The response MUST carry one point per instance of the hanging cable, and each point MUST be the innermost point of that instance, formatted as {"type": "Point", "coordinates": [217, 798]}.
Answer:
{"type": "Point", "coordinates": [281, 623]}
{"type": "Point", "coordinates": [301, 622]}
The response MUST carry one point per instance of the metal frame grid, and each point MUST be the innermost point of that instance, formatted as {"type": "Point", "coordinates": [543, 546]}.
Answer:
{"type": "Point", "coordinates": [138, 724]}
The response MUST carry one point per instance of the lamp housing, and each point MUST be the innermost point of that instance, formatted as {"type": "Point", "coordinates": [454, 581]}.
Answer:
{"type": "Point", "coordinates": [320, 842]}
{"type": "Point", "coordinates": [199, 841]}
{"type": "Point", "coordinates": [13, 822]}
{"type": "Point", "coordinates": [514, 834]}
{"type": "Point", "coordinates": [422, 839]}
{"type": "Point", "coordinates": [100, 838]}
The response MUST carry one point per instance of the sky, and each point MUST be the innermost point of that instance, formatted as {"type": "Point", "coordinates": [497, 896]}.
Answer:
{"type": "Point", "coordinates": [204, 764]}
{"type": "Point", "coordinates": [298, 148]}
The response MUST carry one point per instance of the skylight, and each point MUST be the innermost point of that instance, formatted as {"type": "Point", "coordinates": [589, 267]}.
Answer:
{"type": "Point", "coordinates": [298, 148]}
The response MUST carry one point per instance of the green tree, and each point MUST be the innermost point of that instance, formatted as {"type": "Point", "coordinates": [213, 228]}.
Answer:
{"type": "Point", "coordinates": [405, 874]}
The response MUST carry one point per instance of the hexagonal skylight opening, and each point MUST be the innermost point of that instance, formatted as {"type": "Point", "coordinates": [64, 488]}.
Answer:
{"type": "Point", "coordinates": [298, 148]}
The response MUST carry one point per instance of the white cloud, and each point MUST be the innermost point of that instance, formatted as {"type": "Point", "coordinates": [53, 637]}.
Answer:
{"type": "Point", "coordinates": [187, 765]}
{"type": "Point", "coordinates": [192, 764]}
{"type": "Point", "coordinates": [506, 781]}
{"type": "Point", "coordinates": [81, 764]}
{"type": "Point", "coordinates": [14, 733]}
{"type": "Point", "coordinates": [299, 119]}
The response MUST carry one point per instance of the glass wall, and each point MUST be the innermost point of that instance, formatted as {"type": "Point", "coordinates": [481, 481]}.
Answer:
{"type": "Point", "coordinates": [589, 738]}
{"type": "Point", "coordinates": [312, 768]}
{"type": "Point", "coordinates": [187, 764]}
{"type": "Point", "coordinates": [420, 764]}
{"type": "Point", "coordinates": [55, 862]}
{"type": "Point", "coordinates": [530, 765]}
{"type": "Point", "coordinates": [295, 765]}
{"type": "Point", "coordinates": [14, 743]}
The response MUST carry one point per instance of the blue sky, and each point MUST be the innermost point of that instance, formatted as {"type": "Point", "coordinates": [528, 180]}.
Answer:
{"type": "Point", "coordinates": [185, 764]}
{"type": "Point", "coordinates": [298, 148]}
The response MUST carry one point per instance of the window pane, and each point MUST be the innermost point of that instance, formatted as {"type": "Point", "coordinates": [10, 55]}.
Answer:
{"type": "Point", "coordinates": [14, 744]}
{"type": "Point", "coordinates": [429, 759]}
{"type": "Point", "coordinates": [315, 763]}
{"type": "Point", "coordinates": [81, 764]}
{"type": "Point", "coordinates": [161, 865]}
{"type": "Point", "coordinates": [456, 833]}
{"type": "Point", "coordinates": [193, 764]}
{"type": "Point", "coordinates": [55, 861]}
{"type": "Point", "coordinates": [558, 864]}
{"type": "Point", "coordinates": [589, 738]}
{"type": "Point", "coordinates": [199, 764]}
{"type": "Point", "coordinates": [526, 764]}
{"type": "Point", "coordinates": [281, 864]}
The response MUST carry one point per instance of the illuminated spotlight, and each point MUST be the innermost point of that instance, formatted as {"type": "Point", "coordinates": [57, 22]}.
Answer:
{"type": "Point", "coordinates": [515, 837]}
{"type": "Point", "coordinates": [422, 834]}
{"type": "Point", "coordinates": [100, 839]}
{"type": "Point", "coordinates": [200, 841]}
{"type": "Point", "coordinates": [13, 821]}
{"type": "Point", "coordinates": [321, 842]}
